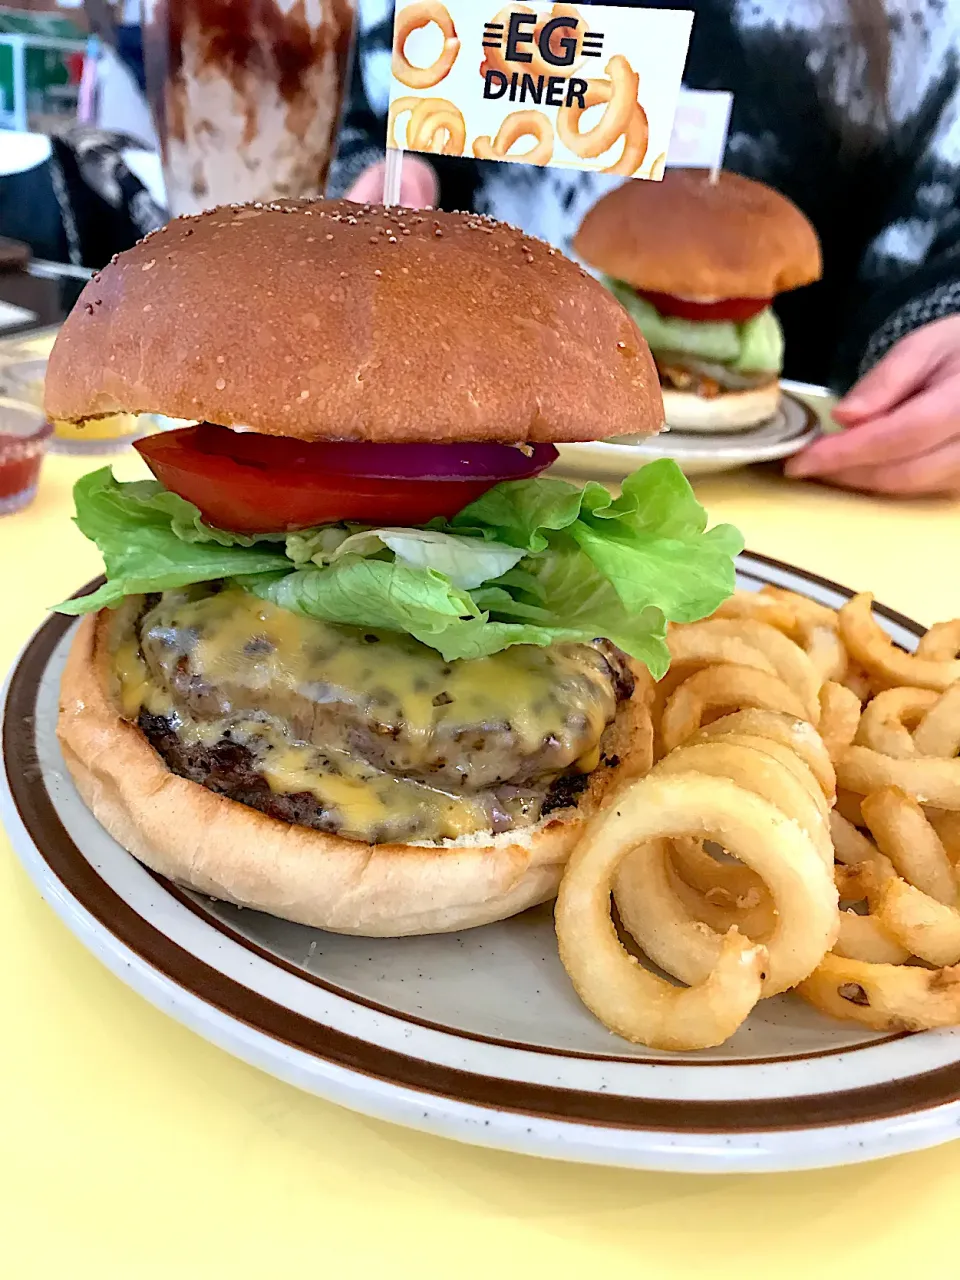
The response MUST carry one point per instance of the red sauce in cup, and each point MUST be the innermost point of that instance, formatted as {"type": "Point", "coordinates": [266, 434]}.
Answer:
{"type": "Point", "coordinates": [23, 441]}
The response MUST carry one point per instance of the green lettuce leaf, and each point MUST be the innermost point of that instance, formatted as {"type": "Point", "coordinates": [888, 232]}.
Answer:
{"type": "Point", "coordinates": [761, 344]}
{"type": "Point", "coordinates": [522, 512]}
{"type": "Point", "coordinates": [152, 540]}
{"type": "Point", "coordinates": [755, 346]}
{"type": "Point", "coordinates": [396, 597]}
{"type": "Point", "coordinates": [562, 591]}
{"type": "Point", "coordinates": [649, 543]}
{"type": "Point", "coordinates": [466, 561]}
{"type": "Point", "coordinates": [530, 562]}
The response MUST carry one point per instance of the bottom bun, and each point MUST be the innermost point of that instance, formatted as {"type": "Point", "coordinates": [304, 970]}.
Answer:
{"type": "Point", "coordinates": [729, 411]}
{"type": "Point", "coordinates": [227, 850]}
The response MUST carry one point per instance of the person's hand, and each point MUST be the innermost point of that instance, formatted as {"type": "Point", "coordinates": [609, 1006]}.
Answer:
{"type": "Point", "coordinates": [902, 420]}
{"type": "Point", "coordinates": [418, 184]}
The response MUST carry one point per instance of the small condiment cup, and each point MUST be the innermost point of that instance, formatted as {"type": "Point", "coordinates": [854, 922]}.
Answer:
{"type": "Point", "coordinates": [24, 435]}
{"type": "Point", "coordinates": [23, 380]}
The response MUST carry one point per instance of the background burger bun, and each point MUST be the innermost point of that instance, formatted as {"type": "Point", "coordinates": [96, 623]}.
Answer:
{"type": "Point", "coordinates": [729, 411]}
{"type": "Point", "coordinates": [328, 320]}
{"type": "Point", "coordinates": [220, 847]}
{"type": "Point", "coordinates": [686, 236]}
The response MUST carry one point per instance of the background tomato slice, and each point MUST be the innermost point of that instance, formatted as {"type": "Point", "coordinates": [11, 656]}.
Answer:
{"type": "Point", "coordinates": [736, 309]}
{"type": "Point", "coordinates": [251, 483]}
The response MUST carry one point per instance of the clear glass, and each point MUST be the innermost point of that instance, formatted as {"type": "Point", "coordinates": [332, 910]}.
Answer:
{"type": "Point", "coordinates": [24, 434]}
{"type": "Point", "coordinates": [23, 380]}
{"type": "Point", "coordinates": [245, 95]}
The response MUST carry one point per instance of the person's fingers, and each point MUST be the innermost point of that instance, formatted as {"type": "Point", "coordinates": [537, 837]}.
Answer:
{"type": "Point", "coordinates": [369, 186]}
{"type": "Point", "coordinates": [924, 422]}
{"type": "Point", "coordinates": [418, 184]}
{"type": "Point", "coordinates": [903, 370]}
{"type": "Point", "coordinates": [419, 187]}
{"type": "Point", "coordinates": [936, 472]}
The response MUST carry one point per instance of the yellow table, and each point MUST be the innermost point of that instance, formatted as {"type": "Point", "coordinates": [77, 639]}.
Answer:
{"type": "Point", "coordinates": [132, 1149]}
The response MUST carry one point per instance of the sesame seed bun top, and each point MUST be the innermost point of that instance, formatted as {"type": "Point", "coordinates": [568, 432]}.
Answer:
{"type": "Point", "coordinates": [695, 239]}
{"type": "Point", "coordinates": [328, 320]}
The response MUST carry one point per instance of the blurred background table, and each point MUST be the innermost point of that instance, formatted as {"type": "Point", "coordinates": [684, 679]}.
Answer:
{"type": "Point", "coordinates": [134, 1149]}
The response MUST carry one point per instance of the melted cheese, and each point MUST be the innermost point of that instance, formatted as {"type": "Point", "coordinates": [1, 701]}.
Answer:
{"type": "Point", "coordinates": [368, 801]}
{"type": "Point", "coordinates": [391, 741]}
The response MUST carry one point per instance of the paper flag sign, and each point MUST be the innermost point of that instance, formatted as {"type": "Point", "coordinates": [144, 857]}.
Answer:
{"type": "Point", "coordinates": [545, 84]}
{"type": "Point", "coordinates": [700, 126]}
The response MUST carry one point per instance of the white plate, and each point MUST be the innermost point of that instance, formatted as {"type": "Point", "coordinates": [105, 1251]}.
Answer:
{"type": "Point", "coordinates": [477, 1036]}
{"type": "Point", "coordinates": [793, 426]}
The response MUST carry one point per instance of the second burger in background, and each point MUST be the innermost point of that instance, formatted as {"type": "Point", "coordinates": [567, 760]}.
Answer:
{"type": "Point", "coordinates": [697, 264]}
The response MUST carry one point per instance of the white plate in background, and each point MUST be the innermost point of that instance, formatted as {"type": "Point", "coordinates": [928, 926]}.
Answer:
{"type": "Point", "coordinates": [795, 424]}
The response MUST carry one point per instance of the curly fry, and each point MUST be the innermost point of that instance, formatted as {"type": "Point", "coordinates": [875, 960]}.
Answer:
{"type": "Point", "coordinates": [634, 145]}
{"type": "Point", "coordinates": [941, 642]}
{"type": "Point", "coordinates": [885, 997]}
{"type": "Point", "coordinates": [870, 645]}
{"type": "Point", "coordinates": [412, 18]}
{"type": "Point", "coordinates": [888, 721]}
{"type": "Point", "coordinates": [722, 687]}
{"type": "Point", "coordinates": [637, 134]}
{"type": "Point", "coordinates": [624, 996]}
{"type": "Point", "coordinates": [839, 716]}
{"type": "Point", "coordinates": [397, 108]}
{"type": "Point", "coordinates": [517, 125]}
{"type": "Point", "coordinates": [437, 125]}
{"type": "Point", "coordinates": [624, 84]}
{"type": "Point", "coordinates": [796, 736]}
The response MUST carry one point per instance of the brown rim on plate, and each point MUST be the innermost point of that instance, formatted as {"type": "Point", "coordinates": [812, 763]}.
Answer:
{"type": "Point", "coordinates": [806, 423]}
{"type": "Point", "coordinates": [697, 444]}
{"type": "Point", "coordinates": [904, 1095]}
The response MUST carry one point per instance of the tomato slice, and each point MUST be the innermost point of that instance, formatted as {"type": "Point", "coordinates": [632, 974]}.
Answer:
{"type": "Point", "coordinates": [736, 309]}
{"type": "Point", "coordinates": [251, 483]}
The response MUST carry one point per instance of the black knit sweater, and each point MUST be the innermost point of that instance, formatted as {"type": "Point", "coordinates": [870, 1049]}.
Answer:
{"type": "Point", "coordinates": [881, 188]}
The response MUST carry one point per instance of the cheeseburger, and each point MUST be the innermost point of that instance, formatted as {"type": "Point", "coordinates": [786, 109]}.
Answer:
{"type": "Point", "coordinates": [355, 662]}
{"type": "Point", "coordinates": [697, 264]}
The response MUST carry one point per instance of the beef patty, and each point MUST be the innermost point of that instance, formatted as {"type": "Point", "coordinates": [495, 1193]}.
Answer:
{"type": "Point", "coordinates": [366, 732]}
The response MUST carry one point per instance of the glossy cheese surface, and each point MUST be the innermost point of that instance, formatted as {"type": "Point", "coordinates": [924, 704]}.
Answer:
{"type": "Point", "coordinates": [391, 741]}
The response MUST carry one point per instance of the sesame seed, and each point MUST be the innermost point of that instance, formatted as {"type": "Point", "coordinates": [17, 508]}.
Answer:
{"type": "Point", "coordinates": [148, 307]}
{"type": "Point", "coordinates": [221, 359]}
{"type": "Point", "coordinates": [373, 239]}
{"type": "Point", "coordinates": [88, 309]}
{"type": "Point", "coordinates": [438, 232]}
{"type": "Point", "coordinates": [329, 236]}
{"type": "Point", "coordinates": [406, 231]}
{"type": "Point", "coordinates": [220, 383]}
{"type": "Point", "coordinates": [621, 346]}
{"type": "Point", "coordinates": [304, 395]}
{"type": "Point", "coordinates": [148, 266]}
{"type": "Point", "coordinates": [343, 275]}
{"type": "Point", "coordinates": [378, 273]}
{"type": "Point", "coordinates": [392, 240]}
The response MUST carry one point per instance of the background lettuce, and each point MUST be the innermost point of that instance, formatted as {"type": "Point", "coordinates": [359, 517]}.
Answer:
{"type": "Point", "coordinates": [755, 346]}
{"type": "Point", "coordinates": [531, 562]}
